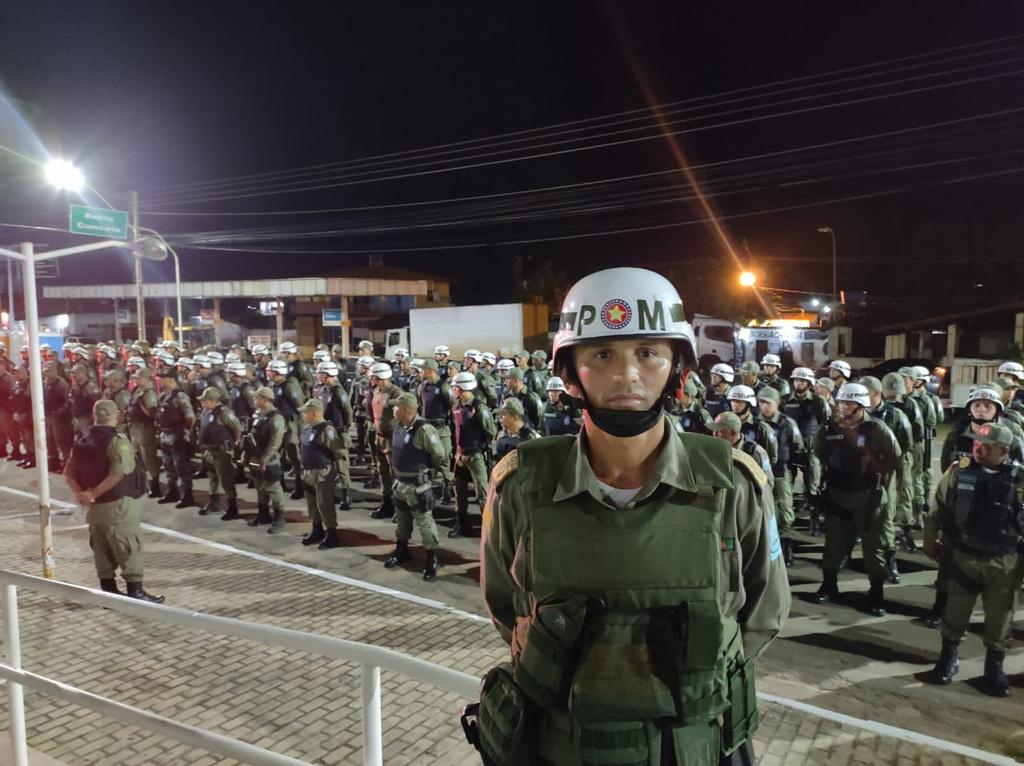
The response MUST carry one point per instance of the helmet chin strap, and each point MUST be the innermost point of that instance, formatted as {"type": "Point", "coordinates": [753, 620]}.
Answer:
{"type": "Point", "coordinates": [981, 422]}
{"type": "Point", "coordinates": [626, 423]}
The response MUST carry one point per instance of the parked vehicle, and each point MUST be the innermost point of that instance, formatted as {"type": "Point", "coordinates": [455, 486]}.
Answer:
{"type": "Point", "coordinates": [501, 328]}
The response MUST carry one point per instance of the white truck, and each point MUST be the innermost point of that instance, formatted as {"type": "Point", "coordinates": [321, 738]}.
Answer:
{"type": "Point", "coordinates": [501, 328]}
{"type": "Point", "coordinates": [958, 375]}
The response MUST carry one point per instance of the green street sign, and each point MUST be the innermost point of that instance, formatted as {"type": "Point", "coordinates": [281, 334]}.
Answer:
{"type": "Point", "coordinates": [99, 222]}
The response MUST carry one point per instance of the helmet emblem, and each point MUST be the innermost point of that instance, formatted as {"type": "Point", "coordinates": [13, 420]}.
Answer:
{"type": "Point", "coordinates": [616, 314]}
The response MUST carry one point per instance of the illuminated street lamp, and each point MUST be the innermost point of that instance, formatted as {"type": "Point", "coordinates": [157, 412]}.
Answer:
{"type": "Point", "coordinates": [64, 175]}
{"type": "Point", "coordinates": [748, 279]}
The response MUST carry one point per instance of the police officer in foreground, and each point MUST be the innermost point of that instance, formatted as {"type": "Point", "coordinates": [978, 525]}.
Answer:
{"type": "Point", "coordinates": [980, 513]}
{"type": "Point", "coordinates": [417, 453]}
{"type": "Point", "coordinates": [857, 454]}
{"type": "Point", "coordinates": [263, 453]}
{"type": "Point", "coordinates": [320, 446]}
{"type": "Point", "coordinates": [103, 474]}
{"type": "Point", "coordinates": [175, 420]}
{"type": "Point", "coordinates": [219, 432]}
{"type": "Point", "coordinates": [638, 612]}
{"type": "Point", "coordinates": [436, 401]}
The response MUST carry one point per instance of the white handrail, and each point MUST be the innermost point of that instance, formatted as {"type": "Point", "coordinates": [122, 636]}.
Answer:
{"type": "Point", "coordinates": [371, 658]}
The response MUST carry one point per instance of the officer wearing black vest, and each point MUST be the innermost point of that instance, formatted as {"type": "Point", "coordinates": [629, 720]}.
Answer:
{"type": "Point", "coordinates": [242, 397]}
{"type": "Point", "coordinates": [104, 475]}
{"type": "Point", "coordinates": [175, 420]}
{"type": "Point", "coordinates": [416, 452]}
{"type": "Point", "coordinates": [514, 428]}
{"type": "Point", "coordinates": [693, 418]}
{"type": "Point", "coordinates": [319, 450]}
{"type": "Point", "coordinates": [810, 413]}
{"type": "Point", "coordinates": [562, 414]}
{"type": "Point", "coordinates": [980, 513]}
{"type": "Point", "coordinates": [436, 401]}
{"type": "Point", "coordinates": [337, 412]}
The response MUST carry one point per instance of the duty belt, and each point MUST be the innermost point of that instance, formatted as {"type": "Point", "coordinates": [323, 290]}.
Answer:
{"type": "Point", "coordinates": [438, 422]}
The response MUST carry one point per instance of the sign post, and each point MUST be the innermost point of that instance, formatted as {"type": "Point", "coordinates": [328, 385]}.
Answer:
{"type": "Point", "coordinates": [98, 222]}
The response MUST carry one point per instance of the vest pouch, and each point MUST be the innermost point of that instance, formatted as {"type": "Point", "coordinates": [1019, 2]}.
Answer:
{"type": "Point", "coordinates": [701, 662]}
{"type": "Point", "coordinates": [740, 720]}
{"type": "Point", "coordinates": [544, 667]}
{"type": "Point", "coordinates": [617, 744]}
{"type": "Point", "coordinates": [503, 719]}
{"type": "Point", "coordinates": [617, 677]}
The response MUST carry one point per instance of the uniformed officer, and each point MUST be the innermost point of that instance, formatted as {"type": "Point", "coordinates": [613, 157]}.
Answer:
{"type": "Point", "coordinates": [320, 447]}
{"type": "Point", "coordinates": [743, 402]}
{"type": "Point", "coordinates": [21, 409]}
{"type": "Point", "coordinates": [297, 367]}
{"type": "Point", "coordinates": [263, 451]}
{"type": "Point", "coordinates": [219, 432]}
{"type": "Point", "coordinates": [771, 366]}
{"type": "Point", "coordinates": [921, 376]}
{"type": "Point", "coordinates": [58, 416]}
{"type": "Point", "coordinates": [562, 414]}
{"type": "Point", "coordinates": [621, 622]}
{"type": "Point", "coordinates": [417, 452]}
{"type": "Point", "coordinates": [750, 374]}
{"type": "Point", "coordinates": [536, 376]}
{"type": "Point", "coordinates": [1014, 372]}
{"type": "Point", "coordinates": [115, 390]}
{"type": "Point", "coordinates": [382, 406]}
{"type": "Point", "coordinates": [716, 400]}
{"type": "Point", "coordinates": [984, 405]}
{"type": "Point", "coordinates": [471, 360]}
{"type": "Point", "coordinates": [242, 398]}
{"type": "Point", "coordinates": [83, 395]}
{"type": "Point", "coordinates": [727, 426]}
{"type": "Point", "coordinates": [1011, 410]}
{"type": "Point", "coordinates": [436, 400]}
{"type": "Point", "coordinates": [826, 389]}
{"type": "Point", "coordinates": [532, 406]}
{"type": "Point", "coordinates": [337, 412]}
{"type": "Point", "coordinates": [980, 512]}
{"type": "Point", "coordinates": [441, 357]}
{"type": "Point", "coordinates": [693, 418]}
{"type": "Point", "coordinates": [839, 373]}
{"type": "Point", "coordinates": [175, 420]}
{"type": "Point", "coordinates": [790, 444]}
{"type": "Point", "coordinates": [810, 413]}
{"type": "Point", "coordinates": [474, 429]}
{"type": "Point", "coordinates": [287, 400]}
{"type": "Point", "coordinates": [857, 454]}
{"type": "Point", "coordinates": [514, 428]}
{"type": "Point", "coordinates": [360, 385]}
{"type": "Point", "coordinates": [503, 368]}
{"type": "Point", "coordinates": [103, 475]}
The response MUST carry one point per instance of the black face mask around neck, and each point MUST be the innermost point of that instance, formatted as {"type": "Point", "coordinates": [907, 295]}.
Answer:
{"type": "Point", "coordinates": [623, 423]}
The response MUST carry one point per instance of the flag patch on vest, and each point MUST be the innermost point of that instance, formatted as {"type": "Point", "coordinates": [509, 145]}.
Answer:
{"type": "Point", "coordinates": [727, 544]}
{"type": "Point", "coordinates": [774, 543]}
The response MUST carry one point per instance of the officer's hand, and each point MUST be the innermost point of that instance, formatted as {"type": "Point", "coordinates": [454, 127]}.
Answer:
{"type": "Point", "coordinates": [84, 498]}
{"type": "Point", "coordinates": [931, 548]}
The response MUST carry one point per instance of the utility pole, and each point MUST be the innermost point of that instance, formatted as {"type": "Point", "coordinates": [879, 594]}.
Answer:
{"type": "Point", "coordinates": [140, 308]}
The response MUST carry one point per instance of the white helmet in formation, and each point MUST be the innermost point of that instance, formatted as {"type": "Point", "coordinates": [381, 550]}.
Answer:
{"type": "Point", "coordinates": [843, 368]}
{"type": "Point", "coordinates": [742, 394]}
{"type": "Point", "coordinates": [472, 353]}
{"type": "Point", "coordinates": [505, 366]}
{"type": "Point", "coordinates": [278, 366]}
{"type": "Point", "coordinates": [366, 344]}
{"type": "Point", "coordinates": [464, 380]}
{"type": "Point", "coordinates": [215, 357]}
{"type": "Point", "coordinates": [260, 350]}
{"type": "Point", "coordinates": [328, 368]}
{"type": "Point", "coordinates": [365, 361]}
{"type": "Point", "coordinates": [803, 373]}
{"type": "Point", "coordinates": [771, 359]}
{"type": "Point", "coordinates": [136, 361]}
{"type": "Point", "coordinates": [401, 353]}
{"type": "Point", "coordinates": [381, 370]}
{"type": "Point", "coordinates": [202, 360]}
{"type": "Point", "coordinates": [985, 394]}
{"type": "Point", "coordinates": [441, 351]}
{"type": "Point", "coordinates": [923, 373]}
{"type": "Point", "coordinates": [287, 348]}
{"type": "Point", "coordinates": [488, 358]}
{"type": "Point", "coordinates": [1014, 369]}
{"type": "Point", "coordinates": [725, 371]}
{"type": "Point", "coordinates": [555, 384]}
{"type": "Point", "coordinates": [853, 392]}
{"type": "Point", "coordinates": [321, 355]}
{"type": "Point", "coordinates": [238, 368]}
{"type": "Point", "coordinates": [185, 361]}
{"type": "Point", "coordinates": [232, 356]}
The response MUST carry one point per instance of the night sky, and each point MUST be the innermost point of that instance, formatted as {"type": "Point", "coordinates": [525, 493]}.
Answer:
{"type": "Point", "coordinates": [163, 96]}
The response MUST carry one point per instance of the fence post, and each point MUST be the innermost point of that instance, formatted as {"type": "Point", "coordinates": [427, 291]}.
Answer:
{"type": "Point", "coordinates": [373, 754]}
{"type": "Point", "coordinates": [15, 692]}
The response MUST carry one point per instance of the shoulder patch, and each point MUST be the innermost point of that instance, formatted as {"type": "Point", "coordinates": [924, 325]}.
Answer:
{"type": "Point", "coordinates": [507, 466]}
{"type": "Point", "coordinates": [964, 461]}
{"type": "Point", "coordinates": [750, 467]}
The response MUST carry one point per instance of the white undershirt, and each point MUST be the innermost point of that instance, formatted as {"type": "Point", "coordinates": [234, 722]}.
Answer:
{"type": "Point", "coordinates": [620, 497]}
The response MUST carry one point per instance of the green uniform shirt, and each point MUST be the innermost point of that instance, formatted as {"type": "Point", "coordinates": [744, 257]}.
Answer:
{"type": "Point", "coordinates": [276, 430]}
{"type": "Point", "coordinates": [425, 437]}
{"type": "Point", "coordinates": [933, 521]}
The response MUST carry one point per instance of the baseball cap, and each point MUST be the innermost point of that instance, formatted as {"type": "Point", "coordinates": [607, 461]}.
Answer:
{"type": "Point", "coordinates": [313, 404]}
{"type": "Point", "coordinates": [727, 421]}
{"type": "Point", "coordinates": [513, 406]}
{"type": "Point", "coordinates": [265, 392]}
{"type": "Point", "coordinates": [994, 433]}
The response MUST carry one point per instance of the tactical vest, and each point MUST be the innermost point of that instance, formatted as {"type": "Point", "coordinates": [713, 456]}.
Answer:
{"type": "Point", "coordinates": [750, 431]}
{"type": "Point", "coordinates": [136, 413]}
{"type": "Point", "coordinates": [212, 431]}
{"type": "Point", "coordinates": [333, 414]}
{"type": "Point", "coordinates": [169, 415]}
{"type": "Point", "coordinates": [81, 402]}
{"type": "Point", "coordinates": [964, 445]}
{"type": "Point", "coordinates": [408, 459]}
{"type": "Point", "coordinates": [91, 464]}
{"type": "Point", "coordinates": [313, 454]}
{"type": "Point", "coordinates": [716, 403]}
{"type": "Point", "coordinates": [804, 412]}
{"type": "Point", "coordinates": [507, 442]}
{"type": "Point", "coordinates": [848, 460]}
{"type": "Point", "coordinates": [471, 434]}
{"type": "Point", "coordinates": [987, 520]}
{"type": "Point", "coordinates": [628, 632]}
{"type": "Point", "coordinates": [434, 408]}
{"type": "Point", "coordinates": [527, 402]}
{"type": "Point", "coordinates": [199, 385]}
{"type": "Point", "coordinates": [888, 416]}
{"type": "Point", "coordinates": [217, 380]}
{"type": "Point", "coordinates": [282, 403]}
{"type": "Point", "coordinates": [240, 402]}
{"type": "Point", "coordinates": [263, 428]}
{"type": "Point", "coordinates": [914, 416]}
{"type": "Point", "coordinates": [784, 438]}
{"type": "Point", "coordinates": [558, 421]}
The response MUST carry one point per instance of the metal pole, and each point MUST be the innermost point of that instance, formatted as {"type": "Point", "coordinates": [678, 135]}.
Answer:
{"type": "Point", "coordinates": [835, 292]}
{"type": "Point", "coordinates": [15, 691]}
{"type": "Point", "coordinates": [372, 751]}
{"type": "Point", "coordinates": [38, 418]}
{"type": "Point", "coordinates": [177, 290]}
{"type": "Point", "coordinates": [140, 310]}
{"type": "Point", "coordinates": [10, 293]}
{"type": "Point", "coordinates": [280, 321]}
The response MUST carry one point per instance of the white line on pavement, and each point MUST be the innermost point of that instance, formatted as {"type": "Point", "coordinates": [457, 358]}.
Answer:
{"type": "Point", "coordinates": [35, 514]}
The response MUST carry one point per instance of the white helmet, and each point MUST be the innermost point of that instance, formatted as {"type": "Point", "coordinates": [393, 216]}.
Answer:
{"type": "Point", "coordinates": [803, 373]}
{"type": "Point", "coordinates": [287, 348]}
{"type": "Point", "coordinates": [278, 367]}
{"type": "Point", "coordinates": [108, 351]}
{"type": "Point", "coordinates": [742, 394]}
{"type": "Point", "coordinates": [366, 344]}
{"type": "Point", "coordinates": [232, 356]}
{"type": "Point", "coordinates": [201, 360]}
{"type": "Point", "coordinates": [322, 355]}
{"type": "Point", "coordinates": [623, 302]}
{"type": "Point", "coordinates": [238, 368]}
{"type": "Point", "coordinates": [772, 359]}
{"type": "Point", "coordinates": [922, 373]}
{"type": "Point", "coordinates": [164, 356]}
{"type": "Point", "coordinates": [441, 351]}
{"type": "Point", "coordinates": [505, 366]}
{"type": "Point", "coordinates": [843, 368]}
{"type": "Point", "coordinates": [464, 380]}
{"type": "Point", "coordinates": [555, 384]}
{"type": "Point", "coordinates": [328, 368]}
{"type": "Point", "coordinates": [401, 352]}
{"type": "Point", "coordinates": [853, 392]}
{"type": "Point", "coordinates": [1014, 369]}
{"type": "Point", "coordinates": [985, 394]}
{"type": "Point", "coordinates": [472, 353]}
{"type": "Point", "coordinates": [260, 350]}
{"type": "Point", "coordinates": [727, 373]}
{"type": "Point", "coordinates": [185, 361]}
{"type": "Point", "coordinates": [215, 357]}
{"type": "Point", "coordinates": [381, 370]}
{"type": "Point", "coordinates": [488, 358]}
{"type": "Point", "coordinates": [365, 361]}
{"type": "Point", "coordinates": [417, 364]}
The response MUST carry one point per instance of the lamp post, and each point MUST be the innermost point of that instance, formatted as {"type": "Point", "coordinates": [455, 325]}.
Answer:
{"type": "Point", "coordinates": [830, 231]}
{"type": "Point", "coordinates": [156, 248]}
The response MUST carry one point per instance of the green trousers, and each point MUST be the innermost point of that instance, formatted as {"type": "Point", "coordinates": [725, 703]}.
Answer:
{"type": "Point", "coordinates": [115, 536]}
{"type": "Point", "coordinates": [221, 467]}
{"type": "Point", "coordinates": [905, 490]}
{"type": "Point", "coordinates": [997, 580]}
{"type": "Point", "coordinates": [444, 435]}
{"type": "Point", "coordinates": [408, 510]}
{"type": "Point", "coordinates": [782, 491]}
{"type": "Point", "coordinates": [344, 474]}
{"type": "Point", "coordinates": [269, 492]}
{"type": "Point", "coordinates": [918, 476]}
{"type": "Point", "coordinates": [320, 496]}
{"type": "Point", "coordinates": [852, 513]}
{"type": "Point", "coordinates": [144, 440]}
{"type": "Point", "coordinates": [472, 468]}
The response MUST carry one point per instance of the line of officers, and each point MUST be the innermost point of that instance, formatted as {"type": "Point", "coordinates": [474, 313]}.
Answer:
{"type": "Point", "coordinates": [430, 430]}
{"type": "Point", "coordinates": [864, 450]}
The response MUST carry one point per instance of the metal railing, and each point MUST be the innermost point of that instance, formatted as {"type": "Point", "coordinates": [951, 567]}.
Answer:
{"type": "Point", "coordinates": [371, 658]}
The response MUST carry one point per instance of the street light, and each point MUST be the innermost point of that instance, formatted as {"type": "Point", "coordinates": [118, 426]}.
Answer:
{"type": "Point", "coordinates": [156, 248]}
{"type": "Point", "coordinates": [828, 230]}
{"type": "Point", "coordinates": [748, 279]}
{"type": "Point", "coordinates": [64, 175]}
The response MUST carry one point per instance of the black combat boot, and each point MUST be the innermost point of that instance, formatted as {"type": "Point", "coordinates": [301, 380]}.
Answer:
{"type": "Point", "coordinates": [948, 663]}
{"type": "Point", "coordinates": [203, 472]}
{"type": "Point", "coordinates": [154, 487]}
{"type": "Point", "coordinates": [430, 570]}
{"type": "Point", "coordinates": [995, 683]}
{"type": "Point", "coordinates": [299, 492]}
{"type": "Point", "coordinates": [172, 496]}
{"type": "Point", "coordinates": [28, 462]}
{"type": "Point", "coordinates": [135, 590]}
{"type": "Point", "coordinates": [372, 483]}
{"type": "Point", "coordinates": [232, 512]}
{"type": "Point", "coordinates": [829, 590]}
{"type": "Point", "coordinates": [279, 523]}
{"type": "Point", "coordinates": [813, 528]}
{"type": "Point", "coordinates": [212, 506]}
{"type": "Point", "coordinates": [330, 539]}
{"type": "Point", "coordinates": [262, 516]}
{"type": "Point", "coordinates": [462, 526]}
{"type": "Point", "coordinates": [918, 523]}
{"type": "Point", "coordinates": [240, 474]}
{"type": "Point", "coordinates": [110, 586]}
{"type": "Point", "coordinates": [787, 552]}
{"type": "Point", "coordinates": [386, 510]}
{"type": "Point", "coordinates": [907, 539]}
{"type": "Point", "coordinates": [187, 501]}
{"type": "Point", "coordinates": [934, 618]}
{"type": "Point", "coordinates": [315, 535]}
{"type": "Point", "coordinates": [399, 555]}
{"type": "Point", "coordinates": [876, 598]}
{"type": "Point", "coordinates": [345, 500]}
{"type": "Point", "coordinates": [892, 572]}
{"type": "Point", "coordinates": [446, 494]}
